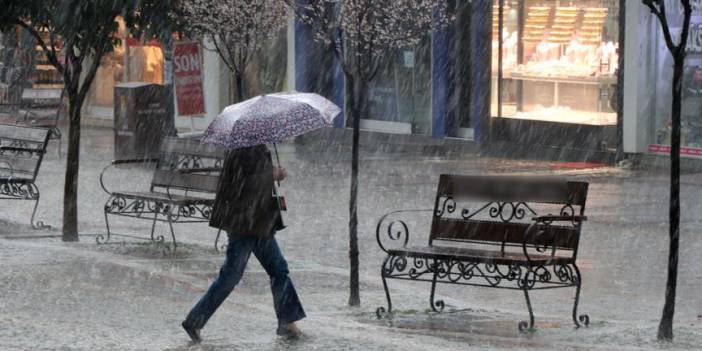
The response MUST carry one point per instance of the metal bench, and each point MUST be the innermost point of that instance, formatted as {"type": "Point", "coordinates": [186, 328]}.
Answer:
{"type": "Point", "coordinates": [39, 108]}
{"type": "Point", "coordinates": [21, 151]}
{"type": "Point", "coordinates": [182, 188]}
{"type": "Point", "coordinates": [498, 231]}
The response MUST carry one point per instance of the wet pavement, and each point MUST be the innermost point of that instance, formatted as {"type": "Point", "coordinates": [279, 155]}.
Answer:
{"type": "Point", "coordinates": [129, 296]}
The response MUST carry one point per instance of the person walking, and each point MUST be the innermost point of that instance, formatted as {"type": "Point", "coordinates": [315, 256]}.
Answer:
{"type": "Point", "coordinates": [245, 208]}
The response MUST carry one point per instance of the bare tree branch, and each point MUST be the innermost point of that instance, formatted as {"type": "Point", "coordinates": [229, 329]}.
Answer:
{"type": "Point", "coordinates": [658, 9]}
{"type": "Point", "coordinates": [50, 52]}
{"type": "Point", "coordinates": [238, 28]}
{"type": "Point", "coordinates": [685, 28]}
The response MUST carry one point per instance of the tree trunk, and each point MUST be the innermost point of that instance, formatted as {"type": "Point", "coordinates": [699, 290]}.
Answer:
{"type": "Point", "coordinates": [77, 89]}
{"type": "Point", "coordinates": [356, 103]}
{"type": "Point", "coordinates": [70, 200]}
{"type": "Point", "coordinates": [239, 80]}
{"type": "Point", "coordinates": [665, 328]}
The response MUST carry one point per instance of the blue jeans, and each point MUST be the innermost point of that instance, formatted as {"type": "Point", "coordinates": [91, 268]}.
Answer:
{"type": "Point", "coordinates": [287, 305]}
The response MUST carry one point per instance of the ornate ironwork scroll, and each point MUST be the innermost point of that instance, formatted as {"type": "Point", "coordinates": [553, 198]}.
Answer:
{"type": "Point", "coordinates": [395, 230]}
{"type": "Point", "coordinates": [445, 204]}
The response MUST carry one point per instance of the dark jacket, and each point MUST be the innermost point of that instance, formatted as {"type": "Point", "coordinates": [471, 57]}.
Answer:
{"type": "Point", "coordinates": [244, 204]}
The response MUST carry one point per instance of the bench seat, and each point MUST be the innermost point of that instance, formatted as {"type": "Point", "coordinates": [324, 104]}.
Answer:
{"type": "Point", "coordinates": [161, 197]}
{"type": "Point", "coordinates": [477, 255]}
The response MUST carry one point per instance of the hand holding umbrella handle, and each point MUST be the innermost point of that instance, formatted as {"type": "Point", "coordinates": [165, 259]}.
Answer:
{"type": "Point", "coordinates": [279, 173]}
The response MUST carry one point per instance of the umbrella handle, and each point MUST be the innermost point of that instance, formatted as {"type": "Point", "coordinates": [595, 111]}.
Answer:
{"type": "Point", "coordinates": [277, 160]}
{"type": "Point", "coordinates": [275, 190]}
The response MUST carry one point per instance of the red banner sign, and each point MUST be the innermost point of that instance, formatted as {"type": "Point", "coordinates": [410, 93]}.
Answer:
{"type": "Point", "coordinates": [187, 74]}
{"type": "Point", "coordinates": [684, 151]}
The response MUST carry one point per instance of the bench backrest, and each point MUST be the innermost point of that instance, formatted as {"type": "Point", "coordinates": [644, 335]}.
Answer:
{"type": "Point", "coordinates": [22, 164]}
{"type": "Point", "coordinates": [496, 210]}
{"type": "Point", "coordinates": [179, 153]}
{"type": "Point", "coordinates": [43, 103]}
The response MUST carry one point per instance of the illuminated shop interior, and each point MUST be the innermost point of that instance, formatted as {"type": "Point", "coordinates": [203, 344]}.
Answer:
{"type": "Point", "coordinates": [555, 61]}
{"type": "Point", "coordinates": [131, 61]}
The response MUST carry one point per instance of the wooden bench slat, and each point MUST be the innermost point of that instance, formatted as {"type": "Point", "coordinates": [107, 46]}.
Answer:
{"type": "Point", "coordinates": [37, 135]}
{"type": "Point", "coordinates": [175, 179]}
{"type": "Point", "coordinates": [477, 255]}
{"type": "Point", "coordinates": [497, 232]}
{"type": "Point", "coordinates": [190, 147]}
{"type": "Point", "coordinates": [19, 164]}
{"type": "Point", "coordinates": [513, 189]}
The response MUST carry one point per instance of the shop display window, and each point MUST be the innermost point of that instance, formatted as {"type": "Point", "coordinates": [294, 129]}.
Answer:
{"type": "Point", "coordinates": [23, 64]}
{"type": "Point", "coordinates": [661, 91]}
{"type": "Point", "coordinates": [130, 61]}
{"type": "Point", "coordinates": [401, 89]}
{"type": "Point", "coordinates": [267, 72]}
{"type": "Point", "coordinates": [555, 60]}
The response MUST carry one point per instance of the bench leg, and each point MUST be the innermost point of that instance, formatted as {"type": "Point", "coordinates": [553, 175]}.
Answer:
{"type": "Point", "coordinates": [436, 306]}
{"type": "Point", "coordinates": [153, 225]}
{"type": "Point", "coordinates": [165, 210]}
{"type": "Point", "coordinates": [57, 133]}
{"type": "Point", "coordinates": [583, 318]}
{"type": "Point", "coordinates": [101, 239]}
{"type": "Point", "coordinates": [523, 325]}
{"type": "Point", "coordinates": [380, 311]}
{"type": "Point", "coordinates": [170, 225]}
{"type": "Point", "coordinates": [39, 225]}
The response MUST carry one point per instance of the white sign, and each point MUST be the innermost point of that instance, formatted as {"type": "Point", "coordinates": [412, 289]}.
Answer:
{"type": "Point", "coordinates": [408, 58]}
{"type": "Point", "coordinates": [694, 40]}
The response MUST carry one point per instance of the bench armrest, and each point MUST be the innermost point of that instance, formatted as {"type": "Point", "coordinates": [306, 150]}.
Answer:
{"type": "Point", "coordinates": [397, 229]}
{"type": "Point", "coordinates": [560, 218]}
{"type": "Point", "coordinates": [123, 162]}
{"type": "Point", "coordinates": [544, 221]}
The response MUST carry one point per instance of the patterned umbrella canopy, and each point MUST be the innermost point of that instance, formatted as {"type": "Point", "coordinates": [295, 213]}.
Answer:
{"type": "Point", "coordinates": [270, 119]}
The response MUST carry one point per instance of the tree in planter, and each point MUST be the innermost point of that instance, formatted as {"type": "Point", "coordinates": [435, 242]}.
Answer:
{"type": "Point", "coordinates": [657, 7]}
{"type": "Point", "coordinates": [86, 28]}
{"type": "Point", "coordinates": [237, 29]}
{"type": "Point", "coordinates": [361, 33]}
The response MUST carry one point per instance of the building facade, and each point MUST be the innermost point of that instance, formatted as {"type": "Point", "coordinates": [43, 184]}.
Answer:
{"type": "Point", "coordinates": [518, 72]}
{"type": "Point", "coordinates": [589, 75]}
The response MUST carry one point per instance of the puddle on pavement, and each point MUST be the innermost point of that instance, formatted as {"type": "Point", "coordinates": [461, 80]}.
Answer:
{"type": "Point", "coordinates": [458, 322]}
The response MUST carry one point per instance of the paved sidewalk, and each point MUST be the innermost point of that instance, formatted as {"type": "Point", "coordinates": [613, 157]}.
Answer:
{"type": "Point", "coordinates": [82, 296]}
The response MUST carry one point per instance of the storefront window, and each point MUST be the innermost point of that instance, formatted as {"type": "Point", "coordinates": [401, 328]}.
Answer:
{"type": "Point", "coordinates": [401, 90]}
{"type": "Point", "coordinates": [131, 61]}
{"type": "Point", "coordinates": [555, 61]}
{"type": "Point", "coordinates": [691, 136]}
{"type": "Point", "coordinates": [17, 66]}
{"type": "Point", "coordinates": [267, 73]}
{"type": "Point", "coordinates": [23, 64]}
{"type": "Point", "coordinates": [144, 62]}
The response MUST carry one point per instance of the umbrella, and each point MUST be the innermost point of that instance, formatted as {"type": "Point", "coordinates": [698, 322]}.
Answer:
{"type": "Point", "coordinates": [270, 119]}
